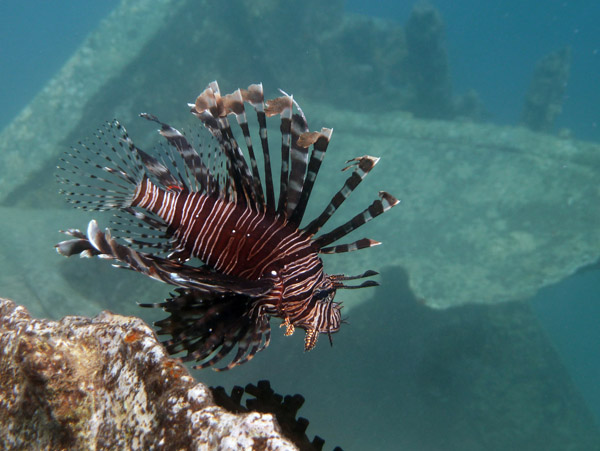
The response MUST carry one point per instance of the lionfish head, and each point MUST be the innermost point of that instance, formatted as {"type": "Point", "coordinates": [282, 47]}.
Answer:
{"type": "Point", "coordinates": [330, 319]}
{"type": "Point", "coordinates": [321, 316]}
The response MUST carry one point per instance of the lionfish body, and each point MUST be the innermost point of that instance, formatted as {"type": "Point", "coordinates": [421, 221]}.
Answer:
{"type": "Point", "coordinates": [235, 240]}
{"type": "Point", "coordinates": [210, 206]}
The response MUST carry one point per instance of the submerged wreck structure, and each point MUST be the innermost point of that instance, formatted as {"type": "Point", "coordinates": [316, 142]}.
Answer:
{"type": "Point", "coordinates": [544, 100]}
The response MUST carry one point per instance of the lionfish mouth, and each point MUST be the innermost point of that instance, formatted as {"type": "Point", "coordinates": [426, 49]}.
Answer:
{"type": "Point", "coordinates": [197, 214]}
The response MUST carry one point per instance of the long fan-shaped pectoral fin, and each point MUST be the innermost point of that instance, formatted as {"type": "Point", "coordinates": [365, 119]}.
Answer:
{"type": "Point", "coordinates": [384, 203]}
{"type": "Point", "coordinates": [104, 172]}
{"type": "Point", "coordinates": [198, 278]}
{"type": "Point", "coordinates": [161, 172]}
{"type": "Point", "coordinates": [362, 166]}
{"type": "Point", "coordinates": [208, 327]}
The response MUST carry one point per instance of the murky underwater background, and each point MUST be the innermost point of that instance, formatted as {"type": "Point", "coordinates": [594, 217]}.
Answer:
{"type": "Point", "coordinates": [477, 374]}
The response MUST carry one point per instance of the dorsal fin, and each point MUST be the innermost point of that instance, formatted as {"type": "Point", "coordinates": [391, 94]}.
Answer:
{"type": "Point", "coordinates": [283, 106]}
{"type": "Point", "coordinates": [235, 155]}
{"type": "Point", "coordinates": [362, 166]}
{"type": "Point", "coordinates": [319, 141]}
{"type": "Point", "coordinates": [210, 109]}
{"type": "Point", "coordinates": [299, 163]}
{"type": "Point", "coordinates": [254, 96]}
{"type": "Point", "coordinates": [234, 103]}
{"type": "Point", "coordinates": [363, 243]}
{"type": "Point", "coordinates": [381, 205]}
{"type": "Point", "coordinates": [193, 161]}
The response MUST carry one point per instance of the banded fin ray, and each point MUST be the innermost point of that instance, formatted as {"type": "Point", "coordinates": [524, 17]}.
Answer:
{"type": "Point", "coordinates": [207, 328]}
{"type": "Point", "coordinates": [383, 204]}
{"type": "Point", "coordinates": [362, 166]}
{"type": "Point", "coordinates": [363, 243]}
{"type": "Point", "coordinates": [367, 273]}
{"type": "Point", "coordinates": [160, 172]}
{"type": "Point", "coordinates": [193, 161]}
{"type": "Point", "coordinates": [282, 106]}
{"type": "Point", "coordinates": [198, 278]}
{"type": "Point", "coordinates": [254, 95]}
{"type": "Point", "coordinates": [299, 163]}
{"type": "Point", "coordinates": [210, 109]}
{"type": "Point", "coordinates": [235, 105]}
{"type": "Point", "coordinates": [320, 142]}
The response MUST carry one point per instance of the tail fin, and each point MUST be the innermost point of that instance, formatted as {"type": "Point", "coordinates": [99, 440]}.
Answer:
{"type": "Point", "coordinates": [104, 172]}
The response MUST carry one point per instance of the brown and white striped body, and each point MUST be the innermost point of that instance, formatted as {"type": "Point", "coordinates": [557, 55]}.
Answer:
{"type": "Point", "coordinates": [235, 240]}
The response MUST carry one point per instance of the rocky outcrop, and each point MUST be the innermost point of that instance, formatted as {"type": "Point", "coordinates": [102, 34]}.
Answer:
{"type": "Point", "coordinates": [107, 383]}
{"type": "Point", "coordinates": [546, 94]}
{"type": "Point", "coordinates": [427, 63]}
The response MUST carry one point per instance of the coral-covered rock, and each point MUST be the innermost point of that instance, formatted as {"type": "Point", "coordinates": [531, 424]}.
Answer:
{"type": "Point", "coordinates": [106, 382]}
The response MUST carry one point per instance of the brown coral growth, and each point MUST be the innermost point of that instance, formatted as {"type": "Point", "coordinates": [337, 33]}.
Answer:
{"type": "Point", "coordinates": [107, 383]}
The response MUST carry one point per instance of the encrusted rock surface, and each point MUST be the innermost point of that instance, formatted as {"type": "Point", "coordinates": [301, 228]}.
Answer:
{"type": "Point", "coordinates": [106, 383]}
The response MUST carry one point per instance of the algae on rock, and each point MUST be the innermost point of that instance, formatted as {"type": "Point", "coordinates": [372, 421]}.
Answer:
{"type": "Point", "coordinates": [106, 382]}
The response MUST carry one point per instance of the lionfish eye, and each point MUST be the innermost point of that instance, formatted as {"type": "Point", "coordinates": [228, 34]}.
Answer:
{"type": "Point", "coordinates": [326, 295]}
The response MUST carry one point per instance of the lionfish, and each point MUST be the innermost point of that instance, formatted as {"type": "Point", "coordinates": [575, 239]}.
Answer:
{"type": "Point", "coordinates": [204, 202]}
